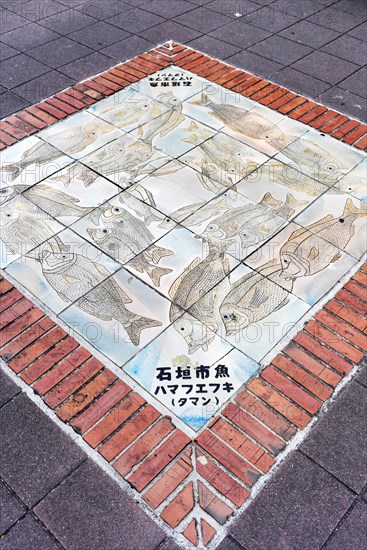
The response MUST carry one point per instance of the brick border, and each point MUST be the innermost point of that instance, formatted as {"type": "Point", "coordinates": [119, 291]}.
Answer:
{"type": "Point", "coordinates": [193, 486]}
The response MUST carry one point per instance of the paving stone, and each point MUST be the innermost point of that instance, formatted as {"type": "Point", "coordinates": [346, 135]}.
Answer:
{"type": "Point", "coordinates": [8, 389]}
{"type": "Point", "coordinates": [59, 52]}
{"type": "Point", "coordinates": [11, 103]}
{"type": "Point", "coordinates": [43, 86]}
{"type": "Point", "coordinates": [240, 34]}
{"type": "Point", "coordinates": [136, 20]}
{"type": "Point", "coordinates": [352, 6]}
{"type": "Point", "coordinates": [99, 35]}
{"type": "Point", "coordinates": [28, 37]}
{"type": "Point", "coordinates": [168, 8]}
{"type": "Point", "coordinates": [11, 508]}
{"type": "Point", "coordinates": [106, 515]}
{"type": "Point", "coordinates": [229, 544]}
{"type": "Point", "coordinates": [35, 455]}
{"type": "Point", "coordinates": [349, 48]}
{"type": "Point", "coordinates": [10, 21]}
{"type": "Point", "coordinates": [254, 63]}
{"type": "Point", "coordinates": [300, 82]}
{"type": "Point", "coordinates": [7, 51]}
{"type": "Point", "coordinates": [309, 33]}
{"type": "Point", "coordinates": [20, 69]}
{"type": "Point", "coordinates": [103, 9]}
{"type": "Point", "coordinates": [352, 533]}
{"type": "Point", "coordinates": [336, 19]}
{"type": "Point", "coordinates": [33, 10]}
{"type": "Point", "coordinates": [362, 374]}
{"type": "Point", "coordinates": [28, 533]}
{"type": "Point", "coordinates": [230, 7]}
{"type": "Point", "coordinates": [298, 508]}
{"type": "Point", "coordinates": [68, 21]}
{"type": "Point", "coordinates": [325, 67]}
{"type": "Point", "coordinates": [203, 19]}
{"type": "Point", "coordinates": [87, 66]}
{"type": "Point", "coordinates": [356, 83]}
{"type": "Point", "coordinates": [212, 46]}
{"type": "Point", "coordinates": [280, 49]}
{"type": "Point", "coordinates": [269, 19]}
{"type": "Point", "coordinates": [338, 441]}
{"type": "Point", "coordinates": [168, 544]}
{"type": "Point", "coordinates": [345, 102]}
{"type": "Point", "coordinates": [178, 32]}
{"type": "Point", "coordinates": [359, 32]}
{"type": "Point", "coordinates": [297, 9]}
{"type": "Point", "coordinates": [128, 48]}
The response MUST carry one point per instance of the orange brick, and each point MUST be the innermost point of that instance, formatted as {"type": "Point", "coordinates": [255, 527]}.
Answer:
{"type": "Point", "coordinates": [333, 124]}
{"type": "Point", "coordinates": [51, 110]}
{"type": "Point", "coordinates": [207, 530]}
{"type": "Point", "coordinates": [20, 325]}
{"type": "Point", "coordinates": [228, 458]}
{"type": "Point", "coordinates": [212, 505]}
{"type": "Point", "coordinates": [249, 92]}
{"type": "Point", "coordinates": [268, 89]}
{"type": "Point", "coordinates": [162, 456]}
{"type": "Point", "coordinates": [337, 325]}
{"type": "Point", "coordinates": [190, 532]}
{"type": "Point", "coordinates": [170, 480]}
{"type": "Point", "coordinates": [311, 115]}
{"type": "Point", "coordinates": [181, 505]}
{"type": "Point", "coordinates": [38, 348]}
{"type": "Point", "coordinates": [361, 143]}
{"type": "Point", "coordinates": [220, 480]}
{"type": "Point", "coordinates": [312, 365]}
{"type": "Point", "coordinates": [358, 321]}
{"type": "Point", "coordinates": [49, 119]}
{"type": "Point", "coordinates": [22, 125]}
{"type": "Point", "coordinates": [237, 80]}
{"type": "Point", "coordinates": [360, 277]}
{"type": "Point", "coordinates": [14, 312]}
{"type": "Point", "coordinates": [273, 96]}
{"type": "Point", "coordinates": [352, 301]}
{"type": "Point", "coordinates": [25, 338]}
{"type": "Point", "coordinates": [326, 117]}
{"type": "Point", "coordinates": [281, 404]}
{"type": "Point", "coordinates": [68, 109]}
{"type": "Point", "coordinates": [30, 119]}
{"type": "Point", "coordinates": [322, 352]}
{"type": "Point", "coordinates": [50, 359]}
{"type": "Point", "coordinates": [10, 299]}
{"type": "Point", "coordinates": [282, 100]}
{"type": "Point", "coordinates": [257, 431]}
{"type": "Point", "coordinates": [334, 341]}
{"type": "Point", "coordinates": [296, 102]}
{"type": "Point", "coordinates": [128, 432]}
{"type": "Point", "coordinates": [347, 127]}
{"type": "Point", "coordinates": [246, 84]}
{"type": "Point", "coordinates": [114, 419]}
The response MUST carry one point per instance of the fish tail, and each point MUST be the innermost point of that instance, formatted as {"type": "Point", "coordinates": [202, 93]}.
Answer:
{"type": "Point", "coordinates": [152, 218]}
{"type": "Point", "coordinates": [268, 200]}
{"type": "Point", "coordinates": [292, 202]}
{"type": "Point", "coordinates": [158, 252]}
{"type": "Point", "coordinates": [202, 101]}
{"type": "Point", "coordinates": [157, 273]}
{"type": "Point", "coordinates": [137, 325]}
{"type": "Point", "coordinates": [12, 169]}
{"type": "Point", "coordinates": [192, 139]}
{"type": "Point", "coordinates": [351, 210]}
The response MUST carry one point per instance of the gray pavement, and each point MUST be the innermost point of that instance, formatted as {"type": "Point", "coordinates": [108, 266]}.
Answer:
{"type": "Point", "coordinates": [317, 48]}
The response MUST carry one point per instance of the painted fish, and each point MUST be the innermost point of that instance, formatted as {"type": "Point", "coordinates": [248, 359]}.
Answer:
{"type": "Point", "coordinates": [165, 123]}
{"type": "Point", "coordinates": [73, 172]}
{"type": "Point", "coordinates": [295, 180]}
{"type": "Point", "coordinates": [240, 119]}
{"type": "Point", "coordinates": [312, 249]}
{"type": "Point", "coordinates": [39, 154]}
{"type": "Point", "coordinates": [140, 208]}
{"type": "Point", "coordinates": [194, 333]}
{"type": "Point", "coordinates": [127, 112]}
{"type": "Point", "coordinates": [9, 192]}
{"type": "Point", "coordinates": [54, 202]}
{"type": "Point", "coordinates": [142, 264]}
{"type": "Point", "coordinates": [77, 139]}
{"type": "Point", "coordinates": [207, 308]}
{"type": "Point", "coordinates": [253, 297]}
{"type": "Point", "coordinates": [109, 241]}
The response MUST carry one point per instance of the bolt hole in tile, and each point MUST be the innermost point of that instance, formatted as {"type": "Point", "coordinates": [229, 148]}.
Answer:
{"type": "Point", "coordinates": [182, 230]}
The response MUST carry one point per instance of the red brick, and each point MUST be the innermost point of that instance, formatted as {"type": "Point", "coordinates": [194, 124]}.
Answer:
{"type": "Point", "coordinates": [30, 119]}
{"type": "Point", "coordinates": [22, 125]}
{"type": "Point", "coordinates": [249, 92]}
{"type": "Point", "coordinates": [153, 58]}
{"type": "Point", "coordinates": [212, 505]}
{"type": "Point", "coordinates": [114, 419]}
{"type": "Point", "coordinates": [128, 433]}
{"type": "Point", "coordinates": [5, 286]}
{"type": "Point", "coordinates": [237, 80]}
{"type": "Point", "coordinates": [355, 134]}
{"type": "Point", "coordinates": [14, 312]}
{"type": "Point", "coordinates": [349, 333]}
{"type": "Point", "coordinates": [282, 100]}
{"type": "Point", "coordinates": [311, 115]}
{"type": "Point", "coordinates": [215, 77]}
{"type": "Point", "coordinates": [184, 53]}
{"type": "Point", "coordinates": [345, 129]}
{"type": "Point", "coordinates": [220, 480]}
{"type": "Point", "coordinates": [11, 130]}
{"type": "Point", "coordinates": [51, 110]}
{"type": "Point", "coordinates": [302, 110]}
{"type": "Point", "coordinates": [207, 530]}
{"type": "Point", "coordinates": [244, 446]}
{"type": "Point", "coordinates": [20, 325]}
{"type": "Point", "coordinates": [209, 65]}
{"type": "Point", "coordinates": [196, 60]}
{"type": "Point", "coordinates": [228, 458]}
{"type": "Point", "coordinates": [227, 77]}
{"type": "Point", "coordinates": [361, 143]}
{"type": "Point", "coordinates": [117, 79]}
{"type": "Point", "coordinates": [143, 66]}
{"type": "Point", "coordinates": [73, 383]}
{"type": "Point", "coordinates": [180, 506]}
{"type": "Point", "coordinates": [190, 532]}
{"type": "Point", "coordinates": [107, 83]}
{"type": "Point", "coordinates": [257, 431]}
{"type": "Point", "coordinates": [291, 390]}
{"type": "Point", "coordinates": [47, 118]}
{"type": "Point", "coordinates": [68, 109]}
{"type": "Point", "coordinates": [10, 299]}
{"type": "Point", "coordinates": [333, 124]}
{"type": "Point", "coordinates": [268, 89]}
{"type": "Point", "coordinates": [129, 68]}
{"type": "Point", "coordinates": [296, 102]}
{"type": "Point", "coordinates": [26, 337]}
{"type": "Point", "coordinates": [61, 371]}
{"type": "Point", "coordinates": [123, 74]}
{"type": "Point", "coordinates": [50, 359]}
{"type": "Point", "coordinates": [266, 415]}
{"type": "Point", "coordinates": [352, 301]}
{"type": "Point", "coordinates": [70, 100]}
{"type": "Point", "coordinates": [170, 480]}
{"type": "Point", "coordinates": [5, 138]}
{"type": "Point", "coordinates": [356, 289]}
{"type": "Point", "coordinates": [360, 277]}
{"type": "Point", "coordinates": [162, 456]}
{"type": "Point", "coordinates": [273, 96]}
{"type": "Point", "coordinates": [358, 321]}
{"type": "Point", "coordinates": [322, 352]}
{"type": "Point", "coordinates": [239, 89]}
{"type": "Point", "coordinates": [100, 407]}
{"type": "Point", "coordinates": [281, 404]}
{"type": "Point", "coordinates": [309, 363]}
{"type": "Point", "coordinates": [326, 117]}
{"type": "Point", "coordinates": [38, 348]}
{"type": "Point", "coordinates": [333, 341]}
{"type": "Point", "coordinates": [302, 377]}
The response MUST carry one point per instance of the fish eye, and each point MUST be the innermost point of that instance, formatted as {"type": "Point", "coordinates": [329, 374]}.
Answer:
{"type": "Point", "coordinates": [8, 215]}
{"type": "Point", "coordinates": [285, 261]}
{"type": "Point", "coordinates": [341, 220]}
{"type": "Point", "coordinates": [116, 209]}
{"type": "Point", "coordinates": [104, 230]}
{"type": "Point", "coordinates": [63, 256]}
{"type": "Point", "coordinates": [2, 191]}
{"type": "Point", "coordinates": [226, 316]}
{"type": "Point", "coordinates": [349, 189]}
{"type": "Point", "coordinates": [121, 222]}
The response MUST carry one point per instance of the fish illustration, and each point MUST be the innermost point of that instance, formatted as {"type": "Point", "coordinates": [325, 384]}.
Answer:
{"type": "Point", "coordinates": [295, 180]}
{"type": "Point", "coordinates": [140, 208]}
{"type": "Point", "coordinates": [253, 297]}
{"type": "Point", "coordinates": [198, 278]}
{"type": "Point", "coordinates": [54, 202]}
{"type": "Point", "coordinates": [77, 139]}
{"type": "Point", "coordinates": [312, 249]}
{"type": "Point", "coordinates": [108, 301]}
{"type": "Point", "coordinates": [9, 192]}
{"type": "Point", "coordinates": [142, 264]}
{"type": "Point", "coordinates": [75, 172]}
{"type": "Point", "coordinates": [207, 308]}
{"type": "Point", "coordinates": [194, 333]}
{"type": "Point", "coordinates": [109, 241]}
{"type": "Point", "coordinates": [127, 112]}
{"type": "Point", "coordinates": [41, 153]}
{"type": "Point", "coordinates": [240, 119]}
{"type": "Point", "coordinates": [165, 123]}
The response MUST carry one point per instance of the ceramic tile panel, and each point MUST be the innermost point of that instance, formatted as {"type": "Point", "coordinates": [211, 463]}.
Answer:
{"type": "Point", "coordinates": [182, 83]}
{"type": "Point", "coordinates": [355, 183]}
{"type": "Point", "coordinates": [80, 134]}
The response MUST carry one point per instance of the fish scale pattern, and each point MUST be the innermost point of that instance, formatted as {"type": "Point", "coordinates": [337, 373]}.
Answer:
{"type": "Point", "coordinates": [110, 268]}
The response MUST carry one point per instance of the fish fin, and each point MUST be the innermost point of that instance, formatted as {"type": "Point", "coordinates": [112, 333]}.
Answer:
{"type": "Point", "coordinates": [156, 253]}
{"type": "Point", "coordinates": [258, 298]}
{"type": "Point", "coordinates": [124, 297]}
{"type": "Point", "coordinates": [352, 230]}
{"type": "Point", "coordinates": [173, 290]}
{"type": "Point", "coordinates": [327, 218]}
{"type": "Point", "coordinates": [174, 120]}
{"type": "Point", "coordinates": [351, 210]}
{"type": "Point", "coordinates": [282, 304]}
{"type": "Point", "coordinates": [152, 218]}
{"type": "Point", "coordinates": [112, 247]}
{"type": "Point", "coordinates": [138, 324]}
{"type": "Point", "coordinates": [297, 233]}
{"type": "Point", "coordinates": [157, 273]}
{"type": "Point", "coordinates": [13, 170]}
{"type": "Point", "coordinates": [336, 257]}
{"type": "Point", "coordinates": [103, 271]}
{"type": "Point", "coordinates": [292, 202]}
{"type": "Point", "coordinates": [192, 126]}
{"type": "Point", "coordinates": [268, 200]}
{"type": "Point", "coordinates": [140, 131]}
{"type": "Point", "coordinates": [192, 139]}
{"type": "Point", "coordinates": [63, 297]}
{"type": "Point", "coordinates": [70, 279]}
{"type": "Point", "coordinates": [313, 253]}
{"type": "Point", "coordinates": [226, 266]}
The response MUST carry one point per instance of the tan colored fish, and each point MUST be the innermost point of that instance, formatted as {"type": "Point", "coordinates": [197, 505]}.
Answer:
{"type": "Point", "coordinates": [10, 191]}
{"type": "Point", "coordinates": [41, 153]}
{"type": "Point", "coordinates": [142, 264]}
{"type": "Point", "coordinates": [77, 139]}
{"type": "Point", "coordinates": [194, 332]}
{"type": "Point", "coordinates": [54, 202]}
{"type": "Point", "coordinates": [312, 249]}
